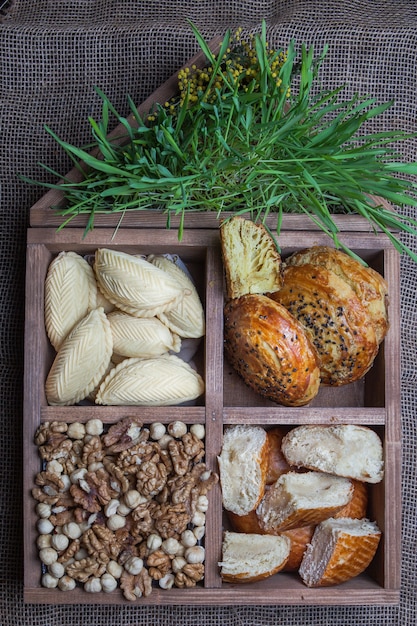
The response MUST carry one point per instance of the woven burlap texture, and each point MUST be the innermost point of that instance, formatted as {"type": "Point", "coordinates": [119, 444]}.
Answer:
{"type": "Point", "coordinates": [52, 54]}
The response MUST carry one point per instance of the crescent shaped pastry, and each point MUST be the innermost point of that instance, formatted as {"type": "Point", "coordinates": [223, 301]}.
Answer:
{"type": "Point", "coordinates": [70, 292]}
{"type": "Point", "coordinates": [370, 287]}
{"type": "Point", "coordinates": [187, 318]}
{"type": "Point", "coordinates": [270, 350]}
{"type": "Point", "coordinates": [160, 381]}
{"type": "Point", "coordinates": [337, 323]}
{"type": "Point", "coordinates": [141, 336]}
{"type": "Point", "coordinates": [134, 285]}
{"type": "Point", "coordinates": [81, 361]}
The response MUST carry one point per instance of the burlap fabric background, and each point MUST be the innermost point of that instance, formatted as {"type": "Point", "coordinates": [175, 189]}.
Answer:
{"type": "Point", "coordinates": [52, 53]}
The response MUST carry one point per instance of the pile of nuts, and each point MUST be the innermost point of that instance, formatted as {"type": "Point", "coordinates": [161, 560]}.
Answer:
{"type": "Point", "coordinates": [122, 507]}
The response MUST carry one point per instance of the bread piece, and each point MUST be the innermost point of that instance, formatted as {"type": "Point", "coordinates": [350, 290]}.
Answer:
{"type": "Point", "coordinates": [157, 381]}
{"type": "Point", "coordinates": [251, 260]}
{"type": "Point", "coordinates": [357, 507]}
{"type": "Point", "coordinates": [270, 350]}
{"type": "Point", "coordinates": [341, 449]}
{"type": "Point", "coordinates": [334, 318]}
{"type": "Point", "coordinates": [186, 319]}
{"type": "Point", "coordinates": [243, 466]}
{"type": "Point", "coordinates": [249, 557]}
{"type": "Point", "coordinates": [81, 361]}
{"type": "Point", "coordinates": [300, 538]}
{"type": "Point", "coordinates": [339, 550]}
{"type": "Point", "coordinates": [277, 463]}
{"type": "Point", "coordinates": [297, 500]}
{"type": "Point", "coordinates": [370, 287]}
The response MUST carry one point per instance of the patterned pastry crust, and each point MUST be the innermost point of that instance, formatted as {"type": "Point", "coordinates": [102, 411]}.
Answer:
{"type": "Point", "coordinates": [81, 361]}
{"type": "Point", "coordinates": [141, 337]}
{"type": "Point", "coordinates": [134, 285]}
{"type": "Point", "coordinates": [339, 550]}
{"type": "Point", "coordinates": [187, 318]}
{"type": "Point", "coordinates": [270, 350]}
{"type": "Point", "coordinates": [70, 293]}
{"type": "Point", "coordinates": [159, 381]}
{"type": "Point", "coordinates": [337, 323]}
{"type": "Point", "coordinates": [370, 287]}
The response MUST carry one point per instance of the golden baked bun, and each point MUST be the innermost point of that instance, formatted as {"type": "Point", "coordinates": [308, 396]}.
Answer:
{"type": "Point", "coordinates": [242, 467]}
{"type": "Point", "coordinates": [297, 500]}
{"type": "Point", "coordinates": [337, 323]}
{"type": "Point", "coordinates": [370, 287]}
{"type": "Point", "coordinates": [300, 538]}
{"type": "Point", "coordinates": [250, 558]}
{"type": "Point", "coordinates": [248, 523]}
{"type": "Point", "coordinates": [251, 260]}
{"type": "Point", "coordinates": [357, 507]}
{"type": "Point", "coordinates": [339, 550]}
{"type": "Point", "coordinates": [342, 449]}
{"type": "Point", "coordinates": [270, 350]}
{"type": "Point", "coordinates": [277, 463]}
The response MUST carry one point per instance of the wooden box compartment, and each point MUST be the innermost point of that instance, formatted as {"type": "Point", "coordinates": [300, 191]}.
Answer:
{"type": "Point", "coordinates": [374, 401]}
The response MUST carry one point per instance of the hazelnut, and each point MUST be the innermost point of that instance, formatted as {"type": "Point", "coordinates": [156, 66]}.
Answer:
{"type": "Point", "coordinates": [133, 498]}
{"type": "Point", "coordinates": [188, 538]}
{"type": "Point", "coordinates": [167, 581]}
{"type": "Point", "coordinates": [108, 583]}
{"type": "Point", "coordinates": [44, 526]}
{"type": "Point", "coordinates": [56, 569]}
{"type": "Point", "coordinates": [198, 519]}
{"type": "Point", "coordinates": [94, 427]}
{"type": "Point", "coordinates": [49, 581]}
{"type": "Point", "coordinates": [93, 585]}
{"type": "Point", "coordinates": [114, 569]}
{"type": "Point", "coordinates": [195, 554]}
{"type": "Point", "coordinates": [76, 430]}
{"type": "Point", "coordinates": [123, 509]}
{"type": "Point", "coordinates": [72, 530]}
{"type": "Point", "coordinates": [48, 555]}
{"type": "Point", "coordinates": [198, 431]}
{"type": "Point", "coordinates": [164, 441]}
{"type": "Point", "coordinates": [134, 565]}
{"type": "Point", "coordinates": [202, 504]}
{"type": "Point", "coordinates": [54, 467]}
{"type": "Point", "coordinates": [111, 507]}
{"type": "Point", "coordinates": [153, 542]}
{"type": "Point", "coordinates": [178, 563]}
{"type": "Point", "coordinates": [171, 546]}
{"type": "Point", "coordinates": [116, 521]}
{"type": "Point", "coordinates": [60, 542]}
{"type": "Point", "coordinates": [199, 532]}
{"type": "Point", "coordinates": [177, 429]}
{"type": "Point", "coordinates": [157, 430]}
{"type": "Point", "coordinates": [43, 510]}
{"type": "Point", "coordinates": [44, 541]}
{"type": "Point", "coordinates": [66, 583]}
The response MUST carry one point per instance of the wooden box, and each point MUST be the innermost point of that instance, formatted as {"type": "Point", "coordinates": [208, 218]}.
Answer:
{"type": "Point", "coordinates": [374, 401]}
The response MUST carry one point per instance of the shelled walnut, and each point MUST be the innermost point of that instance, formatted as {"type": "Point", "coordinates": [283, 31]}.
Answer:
{"type": "Point", "coordinates": [116, 509]}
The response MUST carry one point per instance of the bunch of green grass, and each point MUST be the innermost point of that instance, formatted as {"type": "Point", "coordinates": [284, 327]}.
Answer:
{"type": "Point", "coordinates": [265, 146]}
